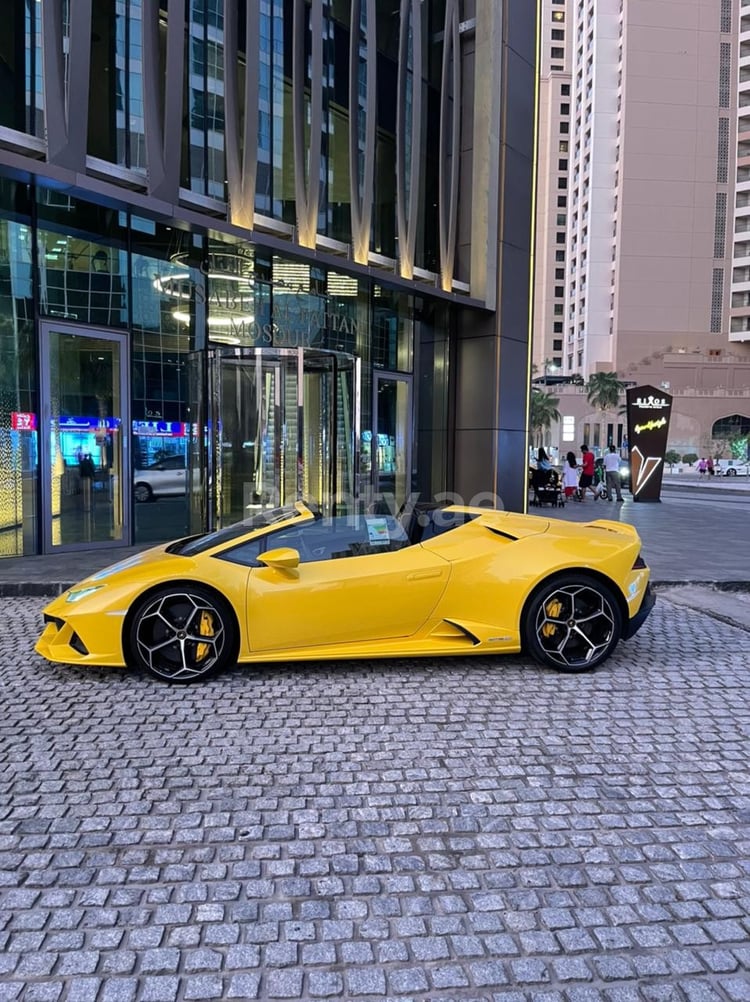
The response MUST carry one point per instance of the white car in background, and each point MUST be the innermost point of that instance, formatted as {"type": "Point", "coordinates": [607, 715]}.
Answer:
{"type": "Point", "coordinates": [732, 468]}
{"type": "Point", "coordinates": [168, 476]}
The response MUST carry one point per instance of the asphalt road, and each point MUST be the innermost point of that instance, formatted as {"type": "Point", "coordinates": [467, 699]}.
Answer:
{"type": "Point", "coordinates": [453, 830]}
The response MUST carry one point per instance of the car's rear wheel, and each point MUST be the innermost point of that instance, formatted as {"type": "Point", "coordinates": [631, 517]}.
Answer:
{"type": "Point", "coordinates": [572, 623]}
{"type": "Point", "coordinates": [142, 492]}
{"type": "Point", "coordinates": [182, 634]}
{"type": "Point", "coordinates": [731, 472]}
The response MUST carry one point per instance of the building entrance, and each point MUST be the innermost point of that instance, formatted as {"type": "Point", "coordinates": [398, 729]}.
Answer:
{"type": "Point", "coordinates": [83, 439]}
{"type": "Point", "coordinates": [283, 426]}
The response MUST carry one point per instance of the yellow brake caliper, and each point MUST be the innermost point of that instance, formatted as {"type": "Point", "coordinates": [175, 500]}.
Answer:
{"type": "Point", "coordinates": [552, 610]}
{"type": "Point", "coordinates": [206, 629]}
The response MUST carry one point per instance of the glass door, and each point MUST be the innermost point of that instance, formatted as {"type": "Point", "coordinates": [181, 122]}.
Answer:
{"type": "Point", "coordinates": [84, 459]}
{"type": "Point", "coordinates": [284, 428]}
{"type": "Point", "coordinates": [254, 434]}
{"type": "Point", "coordinates": [328, 429]}
{"type": "Point", "coordinates": [390, 446]}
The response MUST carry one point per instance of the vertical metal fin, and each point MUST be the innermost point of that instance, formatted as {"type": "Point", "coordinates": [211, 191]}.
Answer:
{"type": "Point", "coordinates": [242, 161]}
{"type": "Point", "coordinates": [450, 136]}
{"type": "Point", "coordinates": [163, 110]}
{"type": "Point", "coordinates": [407, 206]}
{"type": "Point", "coordinates": [307, 168]}
{"type": "Point", "coordinates": [66, 103]}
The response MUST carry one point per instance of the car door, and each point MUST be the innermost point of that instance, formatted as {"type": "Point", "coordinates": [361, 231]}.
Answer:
{"type": "Point", "coordinates": [172, 475]}
{"type": "Point", "coordinates": [358, 580]}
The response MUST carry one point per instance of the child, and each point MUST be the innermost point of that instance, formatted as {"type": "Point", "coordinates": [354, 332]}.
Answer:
{"type": "Point", "coordinates": [570, 475]}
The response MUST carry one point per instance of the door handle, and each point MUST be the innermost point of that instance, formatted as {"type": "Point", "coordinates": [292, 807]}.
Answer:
{"type": "Point", "coordinates": [433, 572]}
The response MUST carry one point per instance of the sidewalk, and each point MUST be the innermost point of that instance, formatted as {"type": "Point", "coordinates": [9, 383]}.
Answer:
{"type": "Point", "coordinates": [698, 534]}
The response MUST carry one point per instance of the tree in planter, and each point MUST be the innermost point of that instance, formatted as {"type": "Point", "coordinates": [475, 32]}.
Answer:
{"type": "Point", "coordinates": [671, 457]}
{"type": "Point", "coordinates": [543, 413]}
{"type": "Point", "coordinates": [690, 458]}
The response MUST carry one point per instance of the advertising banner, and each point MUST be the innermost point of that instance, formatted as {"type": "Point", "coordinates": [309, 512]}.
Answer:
{"type": "Point", "coordinates": [649, 410]}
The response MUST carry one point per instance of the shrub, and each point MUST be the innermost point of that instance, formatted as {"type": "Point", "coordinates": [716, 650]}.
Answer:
{"type": "Point", "coordinates": [671, 457]}
{"type": "Point", "coordinates": [690, 457]}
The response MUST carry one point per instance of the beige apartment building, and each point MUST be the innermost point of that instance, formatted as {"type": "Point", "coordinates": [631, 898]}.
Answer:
{"type": "Point", "coordinates": [643, 227]}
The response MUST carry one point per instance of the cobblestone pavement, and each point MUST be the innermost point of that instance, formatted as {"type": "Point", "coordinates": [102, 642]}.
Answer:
{"type": "Point", "coordinates": [458, 830]}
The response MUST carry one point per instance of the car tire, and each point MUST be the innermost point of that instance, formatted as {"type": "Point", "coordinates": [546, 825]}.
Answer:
{"type": "Point", "coordinates": [182, 634]}
{"type": "Point", "coordinates": [731, 472]}
{"type": "Point", "coordinates": [142, 492]}
{"type": "Point", "coordinates": [572, 623]}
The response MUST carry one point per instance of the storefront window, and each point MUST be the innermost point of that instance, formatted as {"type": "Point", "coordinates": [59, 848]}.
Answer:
{"type": "Point", "coordinates": [19, 413]}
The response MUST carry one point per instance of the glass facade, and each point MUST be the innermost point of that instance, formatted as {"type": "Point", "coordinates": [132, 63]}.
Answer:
{"type": "Point", "coordinates": [175, 378]}
{"type": "Point", "coordinates": [202, 365]}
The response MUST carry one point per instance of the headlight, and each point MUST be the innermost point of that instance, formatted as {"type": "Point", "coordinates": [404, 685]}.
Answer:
{"type": "Point", "coordinates": [78, 593]}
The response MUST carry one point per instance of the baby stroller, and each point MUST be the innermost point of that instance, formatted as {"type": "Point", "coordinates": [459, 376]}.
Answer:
{"type": "Point", "coordinates": [546, 488]}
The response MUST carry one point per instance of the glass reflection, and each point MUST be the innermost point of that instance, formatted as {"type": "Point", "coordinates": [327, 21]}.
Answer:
{"type": "Point", "coordinates": [21, 87]}
{"type": "Point", "coordinates": [204, 166]}
{"type": "Point", "coordinates": [19, 427]}
{"type": "Point", "coordinates": [81, 280]}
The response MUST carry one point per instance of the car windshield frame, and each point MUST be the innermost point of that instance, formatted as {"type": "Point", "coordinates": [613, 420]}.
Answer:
{"type": "Point", "coordinates": [193, 545]}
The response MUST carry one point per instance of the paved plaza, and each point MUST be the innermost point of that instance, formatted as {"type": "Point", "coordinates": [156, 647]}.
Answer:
{"type": "Point", "coordinates": [457, 829]}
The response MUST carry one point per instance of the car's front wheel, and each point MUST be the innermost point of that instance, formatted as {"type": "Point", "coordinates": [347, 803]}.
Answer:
{"type": "Point", "coordinates": [731, 472]}
{"type": "Point", "coordinates": [182, 634]}
{"type": "Point", "coordinates": [572, 623]}
{"type": "Point", "coordinates": [142, 492]}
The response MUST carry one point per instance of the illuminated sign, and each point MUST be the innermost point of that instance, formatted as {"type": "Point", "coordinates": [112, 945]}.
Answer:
{"type": "Point", "coordinates": [68, 423]}
{"type": "Point", "coordinates": [648, 410]}
{"type": "Point", "coordinates": [164, 429]}
{"type": "Point", "coordinates": [23, 421]}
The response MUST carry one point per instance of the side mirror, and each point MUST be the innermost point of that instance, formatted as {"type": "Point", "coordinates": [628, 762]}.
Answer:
{"type": "Point", "coordinates": [283, 559]}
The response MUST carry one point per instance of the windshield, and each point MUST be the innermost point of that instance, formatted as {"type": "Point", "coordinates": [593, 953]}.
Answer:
{"type": "Point", "coordinates": [189, 547]}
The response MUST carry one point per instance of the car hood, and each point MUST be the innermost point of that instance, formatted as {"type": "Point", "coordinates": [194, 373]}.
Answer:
{"type": "Point", "coordinates": [131, 568]}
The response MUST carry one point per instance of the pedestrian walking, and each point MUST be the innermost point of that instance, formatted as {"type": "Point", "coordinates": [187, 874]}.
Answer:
{"type": "Point", "coordinates": [702, 467]}
{"type": "Point", "coordinates": [612, 473]}
{"type": "Point", "coordinates": [570, 475]}
{"type": "Point", "coordinates": [586, 481]}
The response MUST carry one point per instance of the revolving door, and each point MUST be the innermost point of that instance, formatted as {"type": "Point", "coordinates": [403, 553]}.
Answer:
{"type": "Point", "coordinates": [283, 425]}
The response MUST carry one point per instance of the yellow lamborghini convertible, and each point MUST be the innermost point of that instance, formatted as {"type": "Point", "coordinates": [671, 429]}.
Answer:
{"type": "Point", "coordinates": [289, 584]}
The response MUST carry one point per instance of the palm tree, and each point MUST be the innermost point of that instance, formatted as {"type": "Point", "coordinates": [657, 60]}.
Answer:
{"type": "Point", "coordinates": [542, 412]}
{"type": "Point", "coordinates": [603, 390]}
